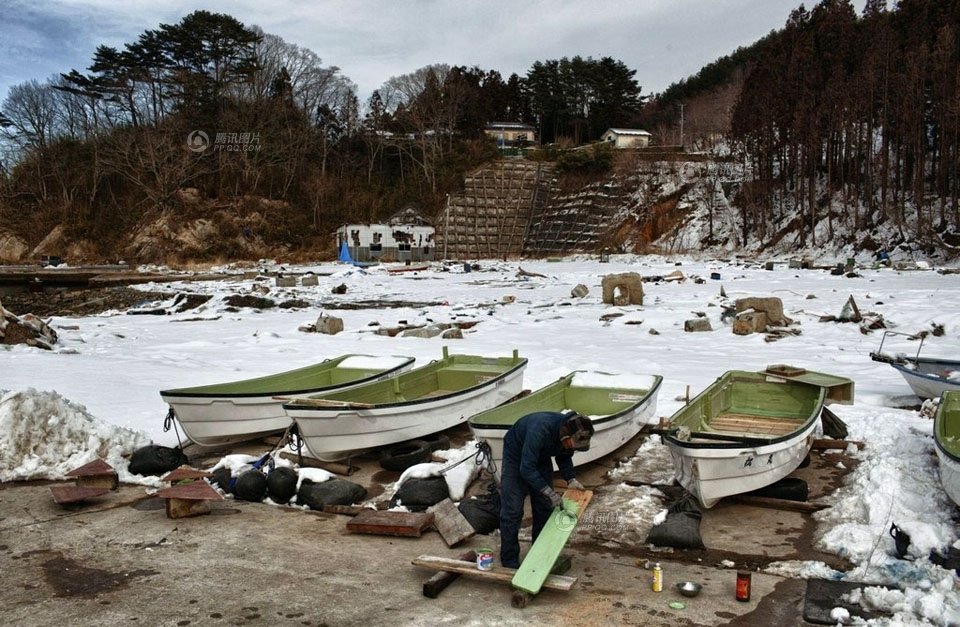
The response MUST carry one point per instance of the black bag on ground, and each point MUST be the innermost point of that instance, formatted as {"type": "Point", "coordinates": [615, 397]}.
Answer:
{"type": "Point", "coordinates": [154, 459]}
{"type": "Point", "coordinates": [419, 494]}
{"type": "Point", "coordinates": [681, 529]}
{"type": "Point", "coordinates": [482, 512]}
{"type": "Point", "coordinates": [331, 492]}
{"type": "Point", "coordinates": [282, 484]}
{"type": "Point", "coordinates": [251, 486]}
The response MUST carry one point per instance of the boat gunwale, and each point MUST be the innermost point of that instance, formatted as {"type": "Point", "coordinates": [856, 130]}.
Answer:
{"type": "Point", "coordinates": [938, 423]}
{"type": "Point", "coordinates": [606, 418]}
{"type": "Point", "coordinates": [905, 371]}
{"type": "Point", "coordinates": [750, 442]}
{"type": "Point", "coordinates": [176, 393]}
{"type": "Point", "coordinates": [374, 407]}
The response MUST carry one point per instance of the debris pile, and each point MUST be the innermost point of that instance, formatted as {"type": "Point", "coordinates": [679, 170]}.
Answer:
{"type": "Point", "coordinates": [27, 329]}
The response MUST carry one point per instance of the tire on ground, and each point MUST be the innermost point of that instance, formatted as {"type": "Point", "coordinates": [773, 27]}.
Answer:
{"type": "Point", "coordinates": [437, 441]}
{"type": "Point", "coordinates": [402, 456]}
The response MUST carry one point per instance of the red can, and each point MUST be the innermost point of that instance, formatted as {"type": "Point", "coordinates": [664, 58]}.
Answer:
{"type": "Point", "coordinates": [743, 586]}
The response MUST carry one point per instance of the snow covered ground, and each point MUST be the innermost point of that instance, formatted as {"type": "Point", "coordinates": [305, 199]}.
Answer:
{"type": "Point", "coordinates": [97, 393]}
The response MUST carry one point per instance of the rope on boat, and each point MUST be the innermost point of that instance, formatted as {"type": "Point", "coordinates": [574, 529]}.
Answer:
{"type": "Point", "coordinates": [484, 459]}
{"type": "Point", "coordinates": [169, 422]}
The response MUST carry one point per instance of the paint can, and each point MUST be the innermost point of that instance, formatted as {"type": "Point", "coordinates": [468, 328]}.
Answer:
{"type": "Point", "coordinates": [657, 578]}
{"type": "Point", "coordinates": [484, 559]}
{"type": "Point", "coordinates": [743, 586]}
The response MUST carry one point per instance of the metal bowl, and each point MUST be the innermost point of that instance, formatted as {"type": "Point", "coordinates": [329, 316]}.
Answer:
{"type": "Point", "coordinates": [689, 588]}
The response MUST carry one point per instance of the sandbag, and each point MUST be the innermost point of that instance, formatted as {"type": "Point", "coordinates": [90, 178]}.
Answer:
{"type": "Point", "coordinates": [482, 512]}
{"type": "Point", "coordinates": [154, 459]}
{"type": "Point", "coordinates": [282, 484]}
{"type": "Point", "coordinates": [251, 486]}
{"type": "Point", "coordinates": [681, 529]}
{"type": "Point", "coordinates": [221, 478]}
{"type": "Point", "coordinates": [332, 492]}
{"type": "Point", "coordinates": [419, 494]}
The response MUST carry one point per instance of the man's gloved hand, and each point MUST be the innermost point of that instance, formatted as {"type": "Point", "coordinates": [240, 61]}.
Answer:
{"type": "Point", "coordinates": [555, 499]}
{"type": "Point", "coordinates": [575, 485]}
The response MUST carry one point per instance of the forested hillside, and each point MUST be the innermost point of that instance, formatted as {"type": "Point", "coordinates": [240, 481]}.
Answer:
{"type": "Point", "coordinates": [209, 117]}
{"type": "Point", "coordinates": [843, 123]}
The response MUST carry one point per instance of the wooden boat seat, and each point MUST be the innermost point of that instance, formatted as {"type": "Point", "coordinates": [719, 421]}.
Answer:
{"type": "Point", "coordinates": [761, 426]}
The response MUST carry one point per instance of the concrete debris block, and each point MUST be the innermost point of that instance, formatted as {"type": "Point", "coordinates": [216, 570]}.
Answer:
{"type": "Point", "coordinates": [508, 298]}
{"type": "Point", "coordinates": [453, 334]}
{"type": "Point", "coordinates": [286, 281]}
{"type": "Point", "coordinates": [340, 289]}
{"type": "Point", "coordinates": [622, 289]}
{"type": "Point", "coordinates": [750, 321]}
{"type": "Point", "coordinates": [579, 291]}
{"type": "Point", "coordinates": [330, 325]}
{"type": "Point", "coordinates": [653, 332]}
{"type": "Point", "coordinates": [260, 288]}
{"type": "Point", "coordinates": [676, 275]}
{"type": "Point", "coordinates": [424, 332]}
{"type": "Point", "coordinates": [697, 325]}
{"type": "Point", "coordinates": [309, 280]}
{"type": "Point", "coordinates": [389, 331]}
{"type": "Point", "coordinates": [27, 329]}
{"type": "Point", "coordinates": [771, 305]}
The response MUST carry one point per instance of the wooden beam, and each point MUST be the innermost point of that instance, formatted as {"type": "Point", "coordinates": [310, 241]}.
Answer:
{"type": "Point", "coordinates": [500, 574]}
{"type": "Point", "coordinates": [804, 507]}
{"type": "Point", "coordinates": [827, 444]}
{"type": "Point", "coordinates": [435, 585]}
{"type": "Point", "coordinates": [336, 468]}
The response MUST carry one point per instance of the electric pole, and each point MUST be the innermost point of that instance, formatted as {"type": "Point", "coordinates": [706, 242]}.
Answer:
{"type": "Point", "coordinates": [681, 124]}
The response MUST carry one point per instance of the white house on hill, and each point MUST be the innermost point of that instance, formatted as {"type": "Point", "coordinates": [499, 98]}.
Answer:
{"type": "Point", "coordinates": [406, 235]}
{"type": "Point", "coordinates": [627, 137]}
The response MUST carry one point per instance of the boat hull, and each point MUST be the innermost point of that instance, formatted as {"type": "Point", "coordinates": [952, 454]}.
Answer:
{"type": "Point", "coordinates": [925, 376]}
{"type": "Point", "coordinates": [613, 430]}
{"type": "Point", "coordinates": [711, 475]}
{"type": "Point", "coordinates": [946, 435]}
{"type": "Point", "coordinates": [211, 419]}
{"type": "Point", "coordinates": [335, 433]}
{"type": "Point", "coordinates": [744, 432]}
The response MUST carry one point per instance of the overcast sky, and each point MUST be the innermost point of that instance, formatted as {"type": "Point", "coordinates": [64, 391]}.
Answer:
{"type": "Point", "coordinates": [372, 40]}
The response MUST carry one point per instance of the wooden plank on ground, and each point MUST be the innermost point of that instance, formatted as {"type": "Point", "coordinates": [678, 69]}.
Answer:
{"type": "Point", "coordinates": [804, 507]}
{"type": "Point", "coordinates": [541, 557]}
{"type": "Point", "coordinates": [451, 524]}
{"type": "Point", "coordinates": [435, 585]}
{"type": "Point", "coordinates": [66, 494]}
{"type": "Point", "coordinates": [500, 574]}
{"type": "Point", "coordinates": [387, 523]}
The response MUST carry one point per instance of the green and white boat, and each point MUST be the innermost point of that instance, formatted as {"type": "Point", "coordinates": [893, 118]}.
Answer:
{"type": "Point", "coordinates": [425, 400]}
{"type": "Point", "coordinates": [222, 413]}
{"type": "Point", "coordinates": [748, 430]}
{"type": "Point", "coordinates": [946, 436]}
{"type": "Point", "coordinates": [619, 405]}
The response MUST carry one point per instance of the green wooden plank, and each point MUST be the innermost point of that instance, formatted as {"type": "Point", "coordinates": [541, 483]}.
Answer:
{"type": "Point", "coordinates": [543, 554]}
